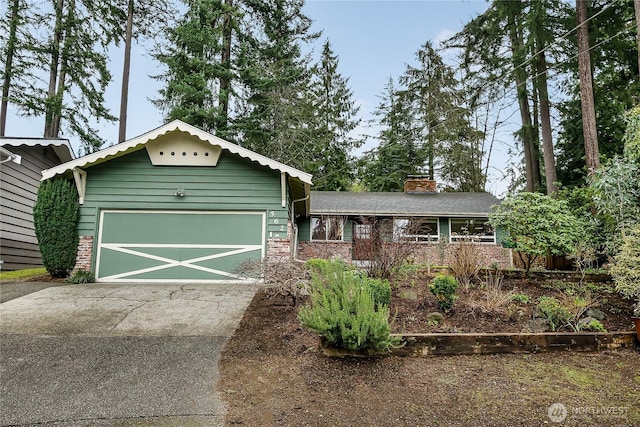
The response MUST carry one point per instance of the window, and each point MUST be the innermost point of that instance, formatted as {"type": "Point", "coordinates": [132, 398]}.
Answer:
{"type": "Point", "coordinates": [363, 231]}
{"type": "Point", "coordinates": [415, 229]}
{"type": "Point", "coordinates": [475, 229]}
{"type": "Point", "coordinates": [327, 228]}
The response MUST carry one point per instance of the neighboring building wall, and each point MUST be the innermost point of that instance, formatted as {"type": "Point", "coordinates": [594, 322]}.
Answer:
{"type": "Point", "coordinates": [132, 182]}
{"type": "Point", "coordinates": [18, 191]}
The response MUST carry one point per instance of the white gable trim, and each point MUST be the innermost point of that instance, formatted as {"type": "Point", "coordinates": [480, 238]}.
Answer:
{"type": "Point", "coordinates": [139, 142]}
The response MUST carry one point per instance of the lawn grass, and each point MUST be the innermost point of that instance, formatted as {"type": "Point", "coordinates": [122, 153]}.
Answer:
{"type": "Point", "coordinates": [22, 275]}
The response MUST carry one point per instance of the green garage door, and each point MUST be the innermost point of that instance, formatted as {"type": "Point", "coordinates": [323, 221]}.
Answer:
{"type": "Point", "coordinates": [170, 246]}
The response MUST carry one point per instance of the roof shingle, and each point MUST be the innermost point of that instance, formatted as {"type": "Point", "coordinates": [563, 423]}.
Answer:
{"type": "Point", "coordinates": [397, 203]}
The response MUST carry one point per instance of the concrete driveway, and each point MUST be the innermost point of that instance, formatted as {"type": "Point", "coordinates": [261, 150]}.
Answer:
{"type": "Point", "coordinates": [117, 355]}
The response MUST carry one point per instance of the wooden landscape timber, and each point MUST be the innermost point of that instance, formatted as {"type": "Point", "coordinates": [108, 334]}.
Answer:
{"type": "Point", "coordinates": [421, 345]}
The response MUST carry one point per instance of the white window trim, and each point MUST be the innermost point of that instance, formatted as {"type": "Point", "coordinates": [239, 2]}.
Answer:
{"type": "Point", "coordinates": [341, 221]}
{"type": "Point", "coordinates": [474, 238]}
{"type": "Point", "coordinates": [416, 238]}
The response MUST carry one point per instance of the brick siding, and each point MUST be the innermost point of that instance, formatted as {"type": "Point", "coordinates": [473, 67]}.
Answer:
{"type": "Point", "coordinates": [423, 253]}
{"type": "Point", "coordinates": [85, 252]}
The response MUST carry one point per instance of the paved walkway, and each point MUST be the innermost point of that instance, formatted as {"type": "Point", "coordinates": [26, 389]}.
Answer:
{"type": "Point", "coordinates": [118, 355]}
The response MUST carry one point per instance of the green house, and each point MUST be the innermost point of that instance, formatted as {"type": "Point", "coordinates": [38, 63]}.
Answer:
{"type": "Point", "coordinates": [179, 204]}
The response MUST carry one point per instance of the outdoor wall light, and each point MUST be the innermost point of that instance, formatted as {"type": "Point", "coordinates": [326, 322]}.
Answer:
{"type": "Point", "coordinates": [179, 192]}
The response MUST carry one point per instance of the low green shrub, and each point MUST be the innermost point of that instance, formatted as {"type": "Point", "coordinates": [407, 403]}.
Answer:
{"type": "Point", "coordinates": [521, 298]}
{"type": "Point", "coordinates": [79, 277]}
{"type": "Point", "coordinates": [626, 270]}
{"type": "Point", "coordinates": [551, 309]}
{"type": "Point", "coordinates": [380, 291]}
{"type": "Point", "coordinates": [343, 310]}
{"type": "Point", "coordinates": [321, 265]}
{"type": "Point", "coordinates": [444, 288]}
{"type": "Point", "coordinates": [594, 326]}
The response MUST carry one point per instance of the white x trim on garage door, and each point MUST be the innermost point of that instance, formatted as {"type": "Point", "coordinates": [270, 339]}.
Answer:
{"type": "Point", "coordinates": [187, 246]}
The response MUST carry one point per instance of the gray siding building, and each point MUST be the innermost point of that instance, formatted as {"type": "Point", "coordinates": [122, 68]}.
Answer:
{"type": "Point", "coordinates": [22, 163]}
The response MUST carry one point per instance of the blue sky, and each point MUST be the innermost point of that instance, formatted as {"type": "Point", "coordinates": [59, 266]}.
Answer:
{"type": "Point", "coordinates": [374, 40]}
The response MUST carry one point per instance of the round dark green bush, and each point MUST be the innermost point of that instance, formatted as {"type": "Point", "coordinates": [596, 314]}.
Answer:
{"type": "Point", "coordinates": [55, 217]}
{"type": "Point", "coordinates": [444, 288]}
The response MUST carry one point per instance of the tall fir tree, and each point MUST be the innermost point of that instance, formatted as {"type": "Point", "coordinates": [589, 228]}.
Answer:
{"type": "Point", "coordinates": [73, 40]}
{"type": "Point", "coordinates": [16, 37]}
{"type": "Point", "coordinates": [144, 19]}
{"type": "Point", "coordinates": [195, 70]}
{"type": "Point", "coordinates": [275, 110]}
{"type": "Point", "coordinates": [399, 153]}
{"type": "Point", "coordinates": [443, 121]}
{"type": "Point", "coordinates": [616, 88]}
{"type": "Point", "coordinates": [331, 160]}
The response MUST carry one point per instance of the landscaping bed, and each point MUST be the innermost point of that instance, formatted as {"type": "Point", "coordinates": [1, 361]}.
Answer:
{"type": "Point", "coordinates": [507, 308]}
{"type": "Point", "coordinates": [273, 374]}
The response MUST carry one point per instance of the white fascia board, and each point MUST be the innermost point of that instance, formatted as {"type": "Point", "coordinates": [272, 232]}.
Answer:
{"type": "Point", "coordinates": [139, 142]}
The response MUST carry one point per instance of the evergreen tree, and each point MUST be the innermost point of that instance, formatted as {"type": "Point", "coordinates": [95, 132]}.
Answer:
{"type": "Point", "coordinates": [331, 163]}
{"type": "Point", "coordinates": [78, 33]}
{"type": "Point", "coordinates": [16, 29]}
{"type": "Point", "coordinates": [443, 121]}
{"type": "Point", "coordinates": [616, 89]}
{"type": "Point", "coordinates": [399, 153]}
{"type": "Point", "coordinates": [145, 18]}
{"type": "Point", "coordinates": [195, 71]}
{"type": "Point", "coordinates": [276, 116]}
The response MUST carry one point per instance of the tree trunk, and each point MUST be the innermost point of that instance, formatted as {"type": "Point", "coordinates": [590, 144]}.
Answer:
{"type": "Point", "coordinates": [124, 94]}
{"type": "Point", "coordinates": [62, 77]}
{"type": "Point", "coordinates": [519, 74]}
{"type": "Point", "coordinates": [225, 80]}
{"type": "Point", "coordinates": [591, 151]}
{"type": "Point", "coordinates": [551, 176]}
{"type": "Point", "coordinates": [53, 72]}
{"type": "Point", "coordinates": [8, 65]}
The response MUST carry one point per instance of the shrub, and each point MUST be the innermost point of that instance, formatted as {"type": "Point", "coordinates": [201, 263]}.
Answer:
{"type": "Point", "coordinates": [626, 270]}
{"type": "Point", "coordinates": [538, 225]}
{"type": "Point", "coordinates": [81, 276]}
{"type": "Point", "coordinates": [380, 291]}
{"type": "Point", "coordinates": [521, 298]}
{"type": "Point", "coordinates": [320, 265]}
{"type": "Point", "coordinates": [55, 217]}
{"type": "Point", "coordinates": [552, 310]}
{"type": "Point", "coordinates": [444, 288]}
{"type": "Point", "coordinates": [593, 325]}
{"type": "Point", "coordinates": [465, 262]}
{"type": "Point", "coordinates": [491, 298]}
{"type": "Point", "coordinates": [342, 309]}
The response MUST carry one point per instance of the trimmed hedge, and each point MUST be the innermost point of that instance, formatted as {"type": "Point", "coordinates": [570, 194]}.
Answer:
{"type": "Point", "coordinates": [55, 217]}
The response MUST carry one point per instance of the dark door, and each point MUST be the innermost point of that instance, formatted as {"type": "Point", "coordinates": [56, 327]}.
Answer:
{"type": "Point", "coordinates": [366, 240]}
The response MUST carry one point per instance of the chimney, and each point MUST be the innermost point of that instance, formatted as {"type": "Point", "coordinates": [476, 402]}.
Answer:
{"type": "Point", "coordinates": [419, 184]}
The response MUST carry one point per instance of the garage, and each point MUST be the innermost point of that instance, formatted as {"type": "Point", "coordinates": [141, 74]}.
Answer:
{"type": "Point", "coordinates": [177, 204]}
{"type": "Point", "coordinates": [169, 246]}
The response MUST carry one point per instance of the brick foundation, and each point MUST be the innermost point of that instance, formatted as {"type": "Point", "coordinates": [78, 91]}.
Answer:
{"type": "Point", "coordinates": [310, 250]}
{"type": "Point", "coordinates": [280, 248]}
{"type": "Point", "coordinates": [85, 253]}
{"type": "Point", "coordinates": [424, 253]}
